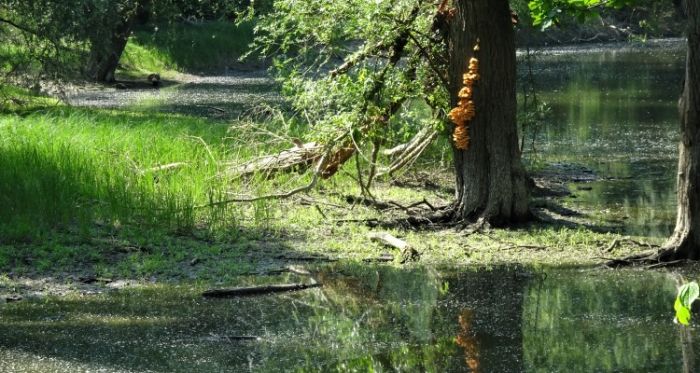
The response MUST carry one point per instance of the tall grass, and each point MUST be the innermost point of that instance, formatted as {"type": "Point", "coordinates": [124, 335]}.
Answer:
{"type": "Point", "coordinates": [71, 168]}
{"type": "Point", "coordinates": [185, 47]}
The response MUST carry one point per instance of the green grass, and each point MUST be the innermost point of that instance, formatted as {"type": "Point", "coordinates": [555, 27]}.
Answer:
{"type": "Point", "coordinates": [65, 168]}
{"type": "Point", "coordinates": [209, 46]}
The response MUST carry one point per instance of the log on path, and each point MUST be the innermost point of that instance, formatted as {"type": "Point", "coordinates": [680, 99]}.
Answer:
{"type": "Point", "coordinates": [256, 290]}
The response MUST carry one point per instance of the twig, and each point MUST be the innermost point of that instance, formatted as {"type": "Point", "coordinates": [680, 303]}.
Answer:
{"type": "Point", "coordinates": [534, 247]}
{"type": "Point", "coordinates": [321, 212]}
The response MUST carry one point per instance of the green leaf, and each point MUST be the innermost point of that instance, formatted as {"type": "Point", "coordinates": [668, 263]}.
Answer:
{"type": "Point", "coordinates": [682, 313]}
{"type": "Point", "coordinates": [688, 293]}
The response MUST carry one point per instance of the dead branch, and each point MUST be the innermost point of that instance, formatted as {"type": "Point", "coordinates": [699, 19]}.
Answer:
{"type": "Point", "coordinates": [256, 290]}
{"type": "Point", "coordinates": [164, 167]}
{"type": "Point", "coordinates": [388, 240]}
{"type": "Point", "coordinates": [306, 258]}
{"type": "Point", "coordinates": [411, 151]}
{"type": "Point", "coordinates": [299, 157]}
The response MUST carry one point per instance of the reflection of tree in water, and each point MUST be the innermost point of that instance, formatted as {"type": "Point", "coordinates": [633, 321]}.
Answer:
{"type": "Point", "coordinates": [467, 341]}
{"type": "Point", "coordinates": [596, 321]}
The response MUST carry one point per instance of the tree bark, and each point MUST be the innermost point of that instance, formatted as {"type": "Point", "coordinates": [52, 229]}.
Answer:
{"type": "Point", "coordinates": [684, 243]}
{"type": "Point", "coordinates": [105, 54]}
{"type": "Point", "coordinates": [491, 181]}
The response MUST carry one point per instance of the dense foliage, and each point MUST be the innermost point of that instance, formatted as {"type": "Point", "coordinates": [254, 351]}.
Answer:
{"type": "Point", "coordinates": [361, 68]}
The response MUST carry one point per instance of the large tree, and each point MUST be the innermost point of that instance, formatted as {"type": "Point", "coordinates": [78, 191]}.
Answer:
{"type": "Point", "coordinates": [491, 181]}
{"type": "Point", "coordinates": [684, 243]}
{"type": "Point", "coordinates": [108, 38]}
{"type": "Point", "coordinates": [411, 51]}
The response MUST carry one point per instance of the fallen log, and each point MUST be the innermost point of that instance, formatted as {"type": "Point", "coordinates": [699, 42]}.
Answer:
{"type": "Point", "coordinates": [408, 254]}
{"type": "Point", "coordinates": [300, 157]}
{"type": "Point", "coordinates": [388, 240]}
{"type": "Point", "coordinates": [256, 290]}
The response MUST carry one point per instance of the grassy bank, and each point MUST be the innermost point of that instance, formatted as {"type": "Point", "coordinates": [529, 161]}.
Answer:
{"type": "Point", "coordinates": [184, 47]}
{"type": "Point", "coordinates": [80, 193]}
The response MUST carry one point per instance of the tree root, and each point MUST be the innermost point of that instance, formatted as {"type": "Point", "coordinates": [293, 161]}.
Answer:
{"type": "Point", "coordinates": [664, 257]}
{"type": "Point", "coordinates": [438, 219]}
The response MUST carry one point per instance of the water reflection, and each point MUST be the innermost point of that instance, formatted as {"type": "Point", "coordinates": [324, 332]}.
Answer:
{"type": "Point", "coordinates": [614, 110]}
{"type": "Point", "coordinates": [364, 319]}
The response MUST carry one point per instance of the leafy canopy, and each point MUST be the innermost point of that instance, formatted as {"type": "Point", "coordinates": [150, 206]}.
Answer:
{"type": "Point", "coordinates": [345, 64]}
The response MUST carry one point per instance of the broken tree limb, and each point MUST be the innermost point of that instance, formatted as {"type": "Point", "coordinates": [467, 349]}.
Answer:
{"type": "Point", "coordinates": [290, 193]}
{"type": "Point", "coordinates": [164, 167]}
{"type": "Point", "coordinates": [388, 240]}
{"type": "Point", "coordinates": [256, 290]}
{"type": "Point", "coordinates": [408, 253]}
{"type": "Point", "coordinates": [411, 151]}
{"type": "Point", "coordinates": [343, 148]}
{"type": "Point", "coordinates": [295, 157]}
{"type": "Point", "coordinates": [395, 150]}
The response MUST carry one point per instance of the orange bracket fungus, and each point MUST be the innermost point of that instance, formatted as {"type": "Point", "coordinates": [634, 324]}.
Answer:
{"type": "Point", "coordinates": [465, 109]}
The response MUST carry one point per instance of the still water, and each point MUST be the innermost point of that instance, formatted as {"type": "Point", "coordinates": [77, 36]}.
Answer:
{"type": "Point", "coordinates": [614, 111]}
{"type": "Point", "coordinates": [365, 319]}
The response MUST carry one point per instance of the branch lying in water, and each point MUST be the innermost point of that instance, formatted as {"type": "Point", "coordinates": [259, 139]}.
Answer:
{"type": "Point", "coordinates": [257, 290]}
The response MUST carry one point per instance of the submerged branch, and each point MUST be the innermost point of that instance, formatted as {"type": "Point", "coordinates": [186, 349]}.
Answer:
{"type": "Point", "coordinates": [257, 290]}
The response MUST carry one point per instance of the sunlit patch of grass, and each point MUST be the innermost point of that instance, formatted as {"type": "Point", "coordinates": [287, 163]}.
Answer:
{"type": "Point", "coordinates": [72, 167]}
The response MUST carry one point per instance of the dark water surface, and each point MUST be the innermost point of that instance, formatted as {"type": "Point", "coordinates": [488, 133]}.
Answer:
{"type": "Point", "coordinates": [365, 319]}
{"type": "Point", "coordinates": [614, 110]}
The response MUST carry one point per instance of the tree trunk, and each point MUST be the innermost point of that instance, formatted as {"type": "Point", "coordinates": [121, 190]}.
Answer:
{"type": "Point", "coordinates": [685, 241]}
{"type": "Point", "coordinates": [491, 181]}
{"type": "Point", "coordinates": [105, 54]}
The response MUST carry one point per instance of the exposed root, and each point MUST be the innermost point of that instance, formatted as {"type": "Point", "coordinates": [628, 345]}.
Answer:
{"type": "Point", "coordinates": [664, 257]}
{"type": "Point", "coordinates": [432, 220]}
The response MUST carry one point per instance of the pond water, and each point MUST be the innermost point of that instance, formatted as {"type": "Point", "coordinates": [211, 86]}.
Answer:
{"type": "Point", "coordinates": [365, 319]}
{"type": "Point", "coordinates": [614, 111]}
